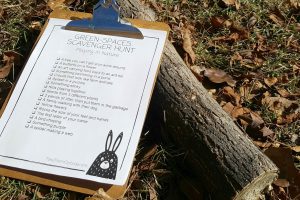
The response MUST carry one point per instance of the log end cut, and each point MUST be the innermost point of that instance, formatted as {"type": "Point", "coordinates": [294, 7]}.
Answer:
{"type": "Point", "coordinates": [254, 189]}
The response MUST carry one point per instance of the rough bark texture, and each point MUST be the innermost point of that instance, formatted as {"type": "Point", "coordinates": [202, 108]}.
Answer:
{"type": "Point", "coordinates": [220, 155]}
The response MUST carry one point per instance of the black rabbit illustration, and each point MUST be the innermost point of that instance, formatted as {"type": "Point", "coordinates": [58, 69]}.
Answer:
{"type": "Point", "coordinates": [106, 163]}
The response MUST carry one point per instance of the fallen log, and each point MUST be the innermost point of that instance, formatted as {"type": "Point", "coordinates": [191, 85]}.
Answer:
{"type": "Point", "coordinates": [220, 155]}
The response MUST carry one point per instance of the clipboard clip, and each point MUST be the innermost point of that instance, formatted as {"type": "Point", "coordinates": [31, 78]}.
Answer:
{"type": "Point", "coordinates": [106, 21]}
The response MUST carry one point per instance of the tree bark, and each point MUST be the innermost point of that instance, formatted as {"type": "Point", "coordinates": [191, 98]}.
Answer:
{"type": "Point", "coordinates": [220, 155]}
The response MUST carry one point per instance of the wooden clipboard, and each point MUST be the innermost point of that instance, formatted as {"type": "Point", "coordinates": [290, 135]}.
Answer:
{"type": "Point", "coordinates": [67, 183]}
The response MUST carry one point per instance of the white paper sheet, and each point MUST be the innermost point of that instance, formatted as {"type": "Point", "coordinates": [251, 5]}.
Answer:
{"type": "Point", "coordinates": [80, 103]}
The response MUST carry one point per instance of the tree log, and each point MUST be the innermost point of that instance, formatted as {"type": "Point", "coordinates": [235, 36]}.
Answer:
{"type": "Point", "coordinates": [221, 156]}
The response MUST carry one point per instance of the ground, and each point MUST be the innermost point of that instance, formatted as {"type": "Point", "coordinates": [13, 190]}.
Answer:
{"type": "Point", "coordinates": [245, 52]}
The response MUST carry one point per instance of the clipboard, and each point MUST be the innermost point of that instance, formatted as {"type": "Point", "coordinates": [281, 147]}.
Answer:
{"type": "Point", "coordinates": [111, 25]}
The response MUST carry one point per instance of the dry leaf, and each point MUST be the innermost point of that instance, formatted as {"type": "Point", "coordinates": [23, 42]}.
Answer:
{"type": "Point", "coordinates": [229, 95]}
{"type": "Point", "coordinates": [270, 81]}
{"type": "Point", "coordinates": [219, 76]}
{"type": "Point", "coordinates": [152, 194]}
{"type": "Point", "coordinates": [276, 19]}
{"type": "Point", "coordinates": [266, 132]}
{"type": "Point", "coordinates": [257, 121]}
{"type": "Point", "coordinates": [100, 195]}
{"type": "Point", "coordinates": [22, 197]}
{"type": "Point", "coordinates": [281, 183]}
{"type": "Point", "coordinates": [296, 149]}
{"type": "Point", "coordinates": [229, 2]}
{"type": "Point", "coordinates": [217, 22]}
{"type": "Point", "coordinates": [262, 144]}
{"type": "Point", "coordinates": [57, 4]}
{"type": "Point", "coordinates": [277, 104]}
{"type": "Point", "coordinates": [187, 44]}
{"type": "Point", "coordinates": [287, 119]}
{"type": "Point", "coordinates": [283, 158]}
{"type": "Point", "coordinates": [9, 59]}
{"type": "Point", "coordinates": [35, 25]}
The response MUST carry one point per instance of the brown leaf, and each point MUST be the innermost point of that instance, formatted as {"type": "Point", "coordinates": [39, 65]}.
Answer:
{"type": "Point", "coordinates": [57, 4]}
{"type": "Point", "coordinates": [287, 119]}
{"type": "Point", "coordinates": [296, 149]}
{"type": "Point", "coordinates": [22, 197]}
{"type": "Point", "coordinates": [9, 59]}
{"type": "Point", "coordinates": [187, 43]}
{"type": "Point", "coordinates": [262, 144]}
{"type": "Point", "coordinates": [266, 132]}
{"type": "Point", "coordinates": [281, 183]}
{"type": "Point", "coordinates": [152, 194]}
{"type": "Point", "coordinates": [217, 22]}
{"type": "Point", "coordinates": [270, 81]}
{"type": "Point", "coordinates": [100, 195]}
{"type": "Point", "coordinates": [283, 158]}
{"type": "Point", "coordinates": [229, 95]}
{"type": "Point", "coordinates": [276, 19]}
{"type": "Point", "coordinates": [277, 104]}
{"type": "Point", "coordinates": [35, 25]}
{"type": "Point", "coordinates": [219, 76]}
{"type": "Point", "coordinates": [257, 121]}
{"type": "Point", "coordinates": [228, 107]}
{"type": "Point", "coordinates": [229, 2]}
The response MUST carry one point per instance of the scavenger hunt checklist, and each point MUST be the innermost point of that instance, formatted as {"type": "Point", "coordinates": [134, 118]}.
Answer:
{"type": "Point", "coordinates": [79, 105]}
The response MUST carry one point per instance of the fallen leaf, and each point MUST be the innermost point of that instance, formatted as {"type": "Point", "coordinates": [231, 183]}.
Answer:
{"type": "Point", "coordinates": [252, 21]}
{"type": "Point", "coordinates": [282, 183]}
{"type": "Point", "coordinates": [262, 144]}
{"type": "Point", "coordinates": [57, 4]}
{"type": "Point", "coordinates": [9, 59]}
{"type": "Point", "coordinates": [277, 104]}
{"type": "Point", "coordinates": [217, 22]}
{"type": "Point", "coordinates": [229, 2]}
{"type": "Point", "coordinates": [276, 19]}
{"type": "Point", "coordinates": [187, 43]}
{"type": "Point", "coordinates": [287, 119]}
{"type": "Point", "coordinates": [296, 149]}
{"type": "Point", "coordinates": [257, 121]}
{"type": "Point", "coordinates": [152, 194]}
{"type": "Point", "coordinates": [219, 76]}
{"type": "Point", "coordinates": [198, 71]}
{"type": "Point", "coordinates": [283, 158]}
{"type": "Point", "coordinates": [270, 81]}
{"type": "Point", "coordinates": [35, 25]}
{"type": "Point", "coordinates": [22, 197]}
{"type": "Point", "coordinates": [229, 95]}
{"type": "Point", "coordinates": [100, 195]}
{"type": "Point", "coordinates": [266, 132]}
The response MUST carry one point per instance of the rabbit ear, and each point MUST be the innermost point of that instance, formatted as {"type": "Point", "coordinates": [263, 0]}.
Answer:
{"type": "Point", "coordinates": [117, 142]}
{"type": "Point", "coordinates": [108, 140]}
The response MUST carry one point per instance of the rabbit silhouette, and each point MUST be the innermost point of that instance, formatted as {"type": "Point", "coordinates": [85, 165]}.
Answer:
{"type": "Point", "coordinates": [106, 163]}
